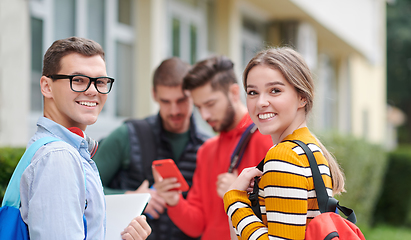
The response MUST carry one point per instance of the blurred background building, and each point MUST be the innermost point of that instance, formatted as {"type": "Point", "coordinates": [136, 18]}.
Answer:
{"type": "Point", "coordinates": [343, 42]}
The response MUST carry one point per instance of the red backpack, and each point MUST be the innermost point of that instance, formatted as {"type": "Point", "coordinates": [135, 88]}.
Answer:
{"type": "Point", "coordinates": [329, 226]}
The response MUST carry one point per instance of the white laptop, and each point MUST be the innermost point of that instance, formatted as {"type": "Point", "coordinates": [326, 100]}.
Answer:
{"type": "Point", "coordinates": [121, 209]}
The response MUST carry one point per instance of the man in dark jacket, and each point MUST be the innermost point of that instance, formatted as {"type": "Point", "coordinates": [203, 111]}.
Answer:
{"type": "Point", "coordinates": [124, 157]}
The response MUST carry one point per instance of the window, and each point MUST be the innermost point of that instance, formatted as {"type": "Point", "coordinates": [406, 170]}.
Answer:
{"type": "Point", "coordinates": [64, 15]}
{"type": "Point", "coordinates": [176, 37]}
{"type": "Point", "coordinates": [188, 28]}
{"type": "Point", "coordinates": [96, 17]}
{"type": "Point", "coordinates": [124, 12]}
{"type": "Point", "coordinates": [307, 44]}
{"type": "Point", "coordinates": [327, 97]}
{"type": "Point", "coordinates": [252, 39]}
{"type": "Point", "coordinates": [120, 48]}
{"type": "Point", "coordinates": [36, 62]}
{"type": "Point", "coordinates": [124, 85]}
{"type": "Point", "coordinates": [188, 36]}
{"type": "Point", "coordinates": [108, 22]}
{"type": "Point", "coordinates": [252, 42]}
{"type": "Point", "coordinates": [193, 43]}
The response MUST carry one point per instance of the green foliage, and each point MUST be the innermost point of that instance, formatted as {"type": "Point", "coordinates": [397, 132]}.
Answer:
{"type": "Point", "coordinates": [399, 60]}
{"type": "Point", "coordinates": [384, 232]}
{"type": "Point", "coordinates": [393, 206]}
{"type": "Point", "coordinates": [9, 157]}
{"type": "Point", "coordinates": [364, 166]}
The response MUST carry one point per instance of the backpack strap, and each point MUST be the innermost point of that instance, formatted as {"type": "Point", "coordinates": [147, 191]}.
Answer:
{"type": "Point", "coordinates": [320, 190]}
{"type": "Point", "coordinates": [147, 144]}
{"type": "Point", "coordinates": [325, 202]}
{"type": "Point", "coordinates": [239, 150]}
{"type": "Point", "coordinates": [12, 195]}
{"type": "Point", "coordinates": [253, 197]}
{"type": "Point", "coordinates": [85, 207]}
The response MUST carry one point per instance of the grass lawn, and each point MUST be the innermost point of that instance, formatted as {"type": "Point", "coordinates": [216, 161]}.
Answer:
{"type": "Point", "coordinates": [385, 232]}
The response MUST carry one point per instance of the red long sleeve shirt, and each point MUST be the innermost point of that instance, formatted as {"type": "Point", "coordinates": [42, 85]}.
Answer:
{"type": "Point", "coordinates": [202, 213]}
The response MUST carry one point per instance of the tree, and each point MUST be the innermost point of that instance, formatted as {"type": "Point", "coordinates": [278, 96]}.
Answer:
{"type": "Point", "coordinates": [399, 61]}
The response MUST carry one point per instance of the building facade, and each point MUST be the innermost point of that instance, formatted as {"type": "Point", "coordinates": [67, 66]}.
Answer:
{"type": "Point", "coordinates": [342, 41]}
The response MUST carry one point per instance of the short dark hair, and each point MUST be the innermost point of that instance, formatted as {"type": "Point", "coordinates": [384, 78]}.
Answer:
{"type": "Point", "coordinates": [217, 70]}
{"type": "Point", "coordinates": [170, 72]}
{"type": "Point", "coordinates": [63, 47]}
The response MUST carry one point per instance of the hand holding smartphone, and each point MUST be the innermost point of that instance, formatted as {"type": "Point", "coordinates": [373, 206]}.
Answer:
{"type": "Point", "coordinates": [167, 169]}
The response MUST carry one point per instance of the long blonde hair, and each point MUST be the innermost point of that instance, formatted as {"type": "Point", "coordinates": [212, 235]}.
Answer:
{"type": "Point", "coordinates": [294, 69]}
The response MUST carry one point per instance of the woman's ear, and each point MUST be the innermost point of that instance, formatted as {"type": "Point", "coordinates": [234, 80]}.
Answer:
{"type": "Point", "coordinates": [303, 101]}
{"type": "Point", "coordinates": [45, 86]}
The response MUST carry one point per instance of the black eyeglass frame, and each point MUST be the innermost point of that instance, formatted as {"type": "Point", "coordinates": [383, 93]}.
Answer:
{"type": "Point", "coordinates": [61, 76]}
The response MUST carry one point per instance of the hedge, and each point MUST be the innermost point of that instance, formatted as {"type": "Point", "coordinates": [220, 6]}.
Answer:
{"type": "Point", "coordinates": [9, 158]}
{"type": "Point", "coordinates": [394, 206]}
{"type": "Point", "coordinates": [364, 166]}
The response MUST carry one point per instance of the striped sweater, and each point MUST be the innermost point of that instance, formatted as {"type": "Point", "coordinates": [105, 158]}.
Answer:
{"type": "Point", "coordinates": [287, 197]}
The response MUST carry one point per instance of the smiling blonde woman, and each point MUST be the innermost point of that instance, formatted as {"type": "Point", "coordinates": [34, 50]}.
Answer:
{"type": "Point", "coordinates": [280, 93]}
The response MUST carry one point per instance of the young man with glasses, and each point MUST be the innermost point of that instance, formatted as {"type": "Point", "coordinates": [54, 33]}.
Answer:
{"type": "Point", "coordinates": [62, 184]}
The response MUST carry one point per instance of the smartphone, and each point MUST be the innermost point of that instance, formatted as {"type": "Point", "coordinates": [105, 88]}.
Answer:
{"type": "Point", "coordinates": [167, 168]}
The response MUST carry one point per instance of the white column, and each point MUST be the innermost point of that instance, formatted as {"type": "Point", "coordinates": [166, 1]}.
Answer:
{"type": "Point", "coordinates": [14, 72]}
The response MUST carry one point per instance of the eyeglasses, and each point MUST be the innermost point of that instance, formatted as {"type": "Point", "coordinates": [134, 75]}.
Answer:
{"type": "Point", "coordinates": [80, 83]}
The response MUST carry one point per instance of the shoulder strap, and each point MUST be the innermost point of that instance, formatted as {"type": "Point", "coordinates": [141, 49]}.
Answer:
{"type": "Point", "coordinates": [320, 190]}
{"type": "Point", "coordinates": [12, 195]}
{"type": "Point", "coordinates": [325, 202]}
{"type": "Point", "coordinates": [253, 197]}
{"type": "Point", "coordinates": [239, 150]}
{"type": "Point", "coordinates": [84, 214]}
{"type": "Point", "coordinates": [260, 166]}
{"type": "Point", "coordinates": [147, 142]}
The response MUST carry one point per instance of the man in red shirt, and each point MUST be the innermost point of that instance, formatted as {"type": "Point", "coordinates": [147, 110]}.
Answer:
{"type": "Point", "coordinates": [216, 94]}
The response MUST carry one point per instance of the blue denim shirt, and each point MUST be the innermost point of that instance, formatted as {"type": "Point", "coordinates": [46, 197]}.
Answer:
{"type": "Point", "coordinates": [53, 191]}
